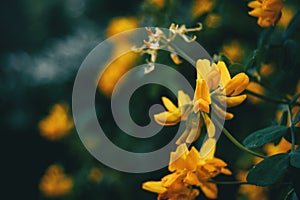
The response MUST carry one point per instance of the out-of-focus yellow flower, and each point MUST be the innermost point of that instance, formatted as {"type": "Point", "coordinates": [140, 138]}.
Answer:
{"type": "Point", "coordinates": [287, 15]}
{"type": "Point", "coordinates": [120, 24]}
{"type": "Point", "coordinates": [267, 11]}
{"type": "Point", "coordinates": [200, 7]}
{"type": "Point", "coordinates": [158, 3]}
{"type": "Point", "coordinates": [115, 71]}
{"type": "Point", "coordinates": [173, 114]}
{"type": "Point", "coordinates": [234, 50]}
{"type": "Point", "coordinates": [189, 169]}
{"type": "Point", "coordinates": [256, 88]}
{"type": "Point", "coordinates": [54, 182]}
{"type": "Point", "coordinates": [253, 192]}
{"type": "Point", "coordinates": [95, 174]}
{"type": "Point", "coordinates": [266, 70]}
{"type": "Point", "coordinates": [282, 147]}
{"type": "Point", "coordinates": [213, 20]}
{"type": "Point", "coordinates": [57, 124]}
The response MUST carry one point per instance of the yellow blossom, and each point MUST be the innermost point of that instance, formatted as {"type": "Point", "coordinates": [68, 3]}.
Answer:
{"type": "Point", "coordinates": [57, 124]}
{"type": "Point", "coordinates": [267, 11]}
{"type": "Point", "coordinates": [282, 147]}
{"type": "Point", "coordinates": [200, 7]}
{"type": "Point", "coordinates": [213, 20]}
{"type": "Point", "coordinates": [253, 192]}
{"type": "Point", "coordinates": [54, 182]}
{"type": "Point", "coordinates": [95, 174]}
{"type": "Point", "coordinates": [173, 114]}
{"type": "Point", "coordinates": [234, 50]}
{"type": "Point", "coordinates": [189, 170]}
{"type": "Point", "coordinates": [210, 78]}
{"type": "Point", "coordinates": [115, 70]}
{"type": "Point", "coordinates": [120, 24]}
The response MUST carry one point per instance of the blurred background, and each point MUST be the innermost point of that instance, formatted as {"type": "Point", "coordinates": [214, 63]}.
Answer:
{"type": "Point", "coordinates": [43, 44]}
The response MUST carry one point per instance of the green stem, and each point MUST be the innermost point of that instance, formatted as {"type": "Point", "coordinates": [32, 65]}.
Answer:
{"type": "Point", "coordinates": [266, 97]}
{"type": "Point", "coordinates": [229, 182]}
{"type": "Point", "coordinates": [292, 129]}
{"type": "Point", "coordinates": [237, 143]}
{"type": "Point", "coordinates": [183, 54]}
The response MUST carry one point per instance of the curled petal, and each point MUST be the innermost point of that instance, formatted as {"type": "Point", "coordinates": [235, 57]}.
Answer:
{"type": "Point", "coordinates": [208, 148]}
{"type": "Point", "coordinates": [237, 84]}
{"type": "Point", "coordinates": [225, 76]}
{"type": "Point", "coordinates": [175, 58]}
{"type": "Point", "coordinates": [210, 127]}
{"type": "Point", "coordinates": [169, 104]}
{"type": "Point", "coordinates": [235, 100]}
{"type": "Point", "coordinates": [254, 4]}
{"type": "Point", "coordinates": [154, 186]}
{"type": "Point", "coordinates": [210, 190]}
{"type": "Point", "coordinates": [168, 118]}
{"type": "Point", "coordinates": [201, 105]}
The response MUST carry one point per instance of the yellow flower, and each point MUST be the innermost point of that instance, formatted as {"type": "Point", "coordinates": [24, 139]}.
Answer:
{"type": "Point", "coordinates": [120, 24]}
{"type": "Point", "coordinates": [199, 7]}
{"type": "Point", "coordinates": [189, 170]}
{"type": "Point", "coordinates": [210, 78]}
{"type": "Point", "coordinates": [54, 182]}
{"type": "Point", "coordinates": [95, 174]}
{"type": "Point", "coordinates": [57, 124]}
{"type": "Point", "coordinates": [267, 11]}
{"type": "Point", "coordinates": [282, 147]}
{"type": "Point", "coordinates": [253, 192]}
{"type": "Point", "coordinates": [115, 70]}
{"type": "Point", "coordinates": [233, 50]}
{"type": "Point", "coordinates": [213, 20]}
{"type": "Point", "coordinates": [174, 114]}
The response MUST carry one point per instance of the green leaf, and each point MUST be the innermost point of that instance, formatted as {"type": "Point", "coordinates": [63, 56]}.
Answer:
{"type": "Point", "coordinates": [293, 26]}
{"type": "Point", "coordinates": [266, 135]}
{"type": "Point", "coordinates": [265, 36]}
{"type": "Point", "coordinates": [269, 170]}
{"type": "Point", "coordinates": [295, 158]}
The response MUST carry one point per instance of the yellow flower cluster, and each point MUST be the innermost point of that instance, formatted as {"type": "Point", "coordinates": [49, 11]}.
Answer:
{"type": "Point", "coordinates": [57, 124]}
{"type": "Point", "coordinates": [195, 168]}
{"type": "Point", "coordinates": [267, 11]}
{"type": "Point", "coordinates": [213, 82]}
{"type": "Point", "coordinates": [201, 7]}
{"type": "Point", "coordinates": [54, 182]}
{"type": "Point", "coordinates": [189, 171]}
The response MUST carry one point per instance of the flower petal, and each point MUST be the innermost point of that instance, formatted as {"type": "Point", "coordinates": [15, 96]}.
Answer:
{"type": "Point", "coordinates": [167, 118]}
{"type": "Point", "coordinates": [225, 76]}
{"type": "Point", "coordinates": [154, 186]}
{"type": "Point", "coordinates": [237, 84]}
{"type": "Point", "coordinates": [177, 158]}
{"type": "Point", "coordinates": [210, 190]}
{"type": "Point", "coordinates": [236, 100]}
{"type": "Point", "coordinates": [203, 67]}
{"type": "Point", "coordinates": [208, 148]}
{"type": "Point", "coordinates": [170, 106]}
{"type": "Point", "coordinates": [213, 77]}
